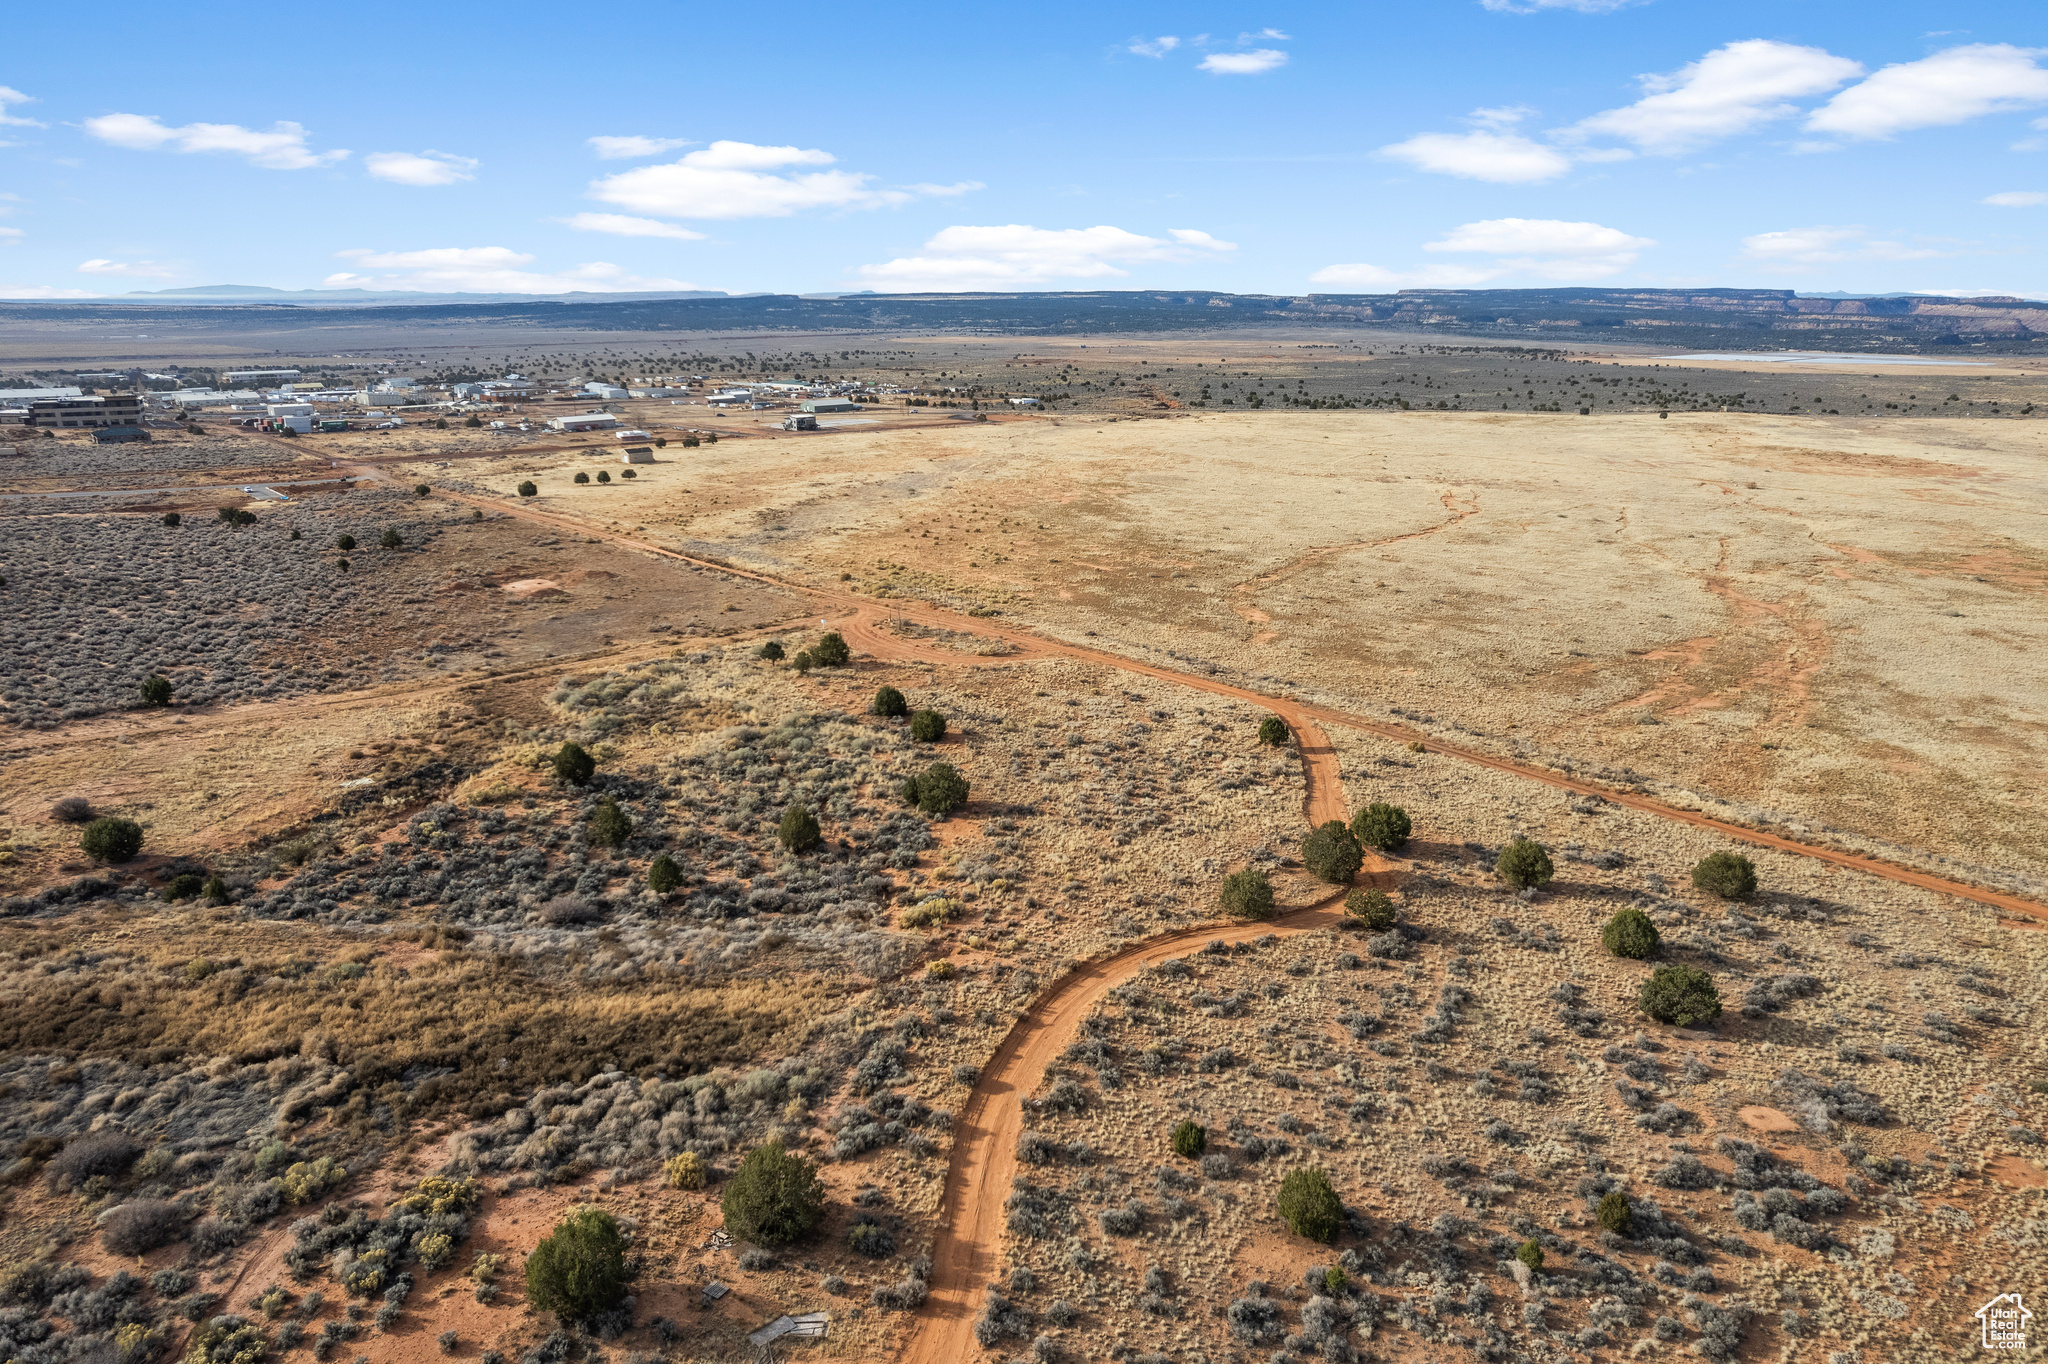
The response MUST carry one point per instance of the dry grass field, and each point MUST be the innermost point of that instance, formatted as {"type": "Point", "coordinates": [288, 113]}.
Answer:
{"type": "Point", "coordinates": [373, 938]}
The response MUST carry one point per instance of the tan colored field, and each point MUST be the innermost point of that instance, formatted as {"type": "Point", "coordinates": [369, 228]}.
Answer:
{"type": "Point", "coordinates": [1831, 621]}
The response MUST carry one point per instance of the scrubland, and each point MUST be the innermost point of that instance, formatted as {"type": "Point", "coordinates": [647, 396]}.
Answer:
{"type": "Point", "coordinates": [385, 997]}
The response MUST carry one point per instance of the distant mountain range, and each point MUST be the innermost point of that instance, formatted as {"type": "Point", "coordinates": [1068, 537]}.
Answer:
{"type": "Point", "coordinates": [1671, 319]}
{"type": "Point", "coordinates": [258, 293]}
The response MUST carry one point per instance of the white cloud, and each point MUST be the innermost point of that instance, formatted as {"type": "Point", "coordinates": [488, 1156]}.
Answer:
{"type": "Point", "coordinates": [282, 148]}
{"type": "Point", "coordinates": [420, 168]}
{"type": "Point", "coordinates": [1373, 278]}
{"type": "Point", "coordinates": [1540, 237]}
{"type": "Point", "coordinates": [9, 95]}
{"type": "Point", "coordinates": [1256, 62]}
{"type": "Point", "coordinates": [739, 180]}
{"type": "Point", "coordinates": [484, 269]}
{"type": "Point", "coordinates": [138, 269]}
{"type": "Point", "coordinates": [1545, 248]}
{"type": "Point", "coordinates": [2017, 198]}
{"type": "Point", "coordinates": [952, 191]}
{"type": "Point", "coordinates": [1532, 6]}
{"type": "Point", "coordinates": [1798, 247]}
{"type": "Point", "coordinates": [624, 225]}
{"type": "Point", "coordinates": [1020, 257]}
{"type": "Point", "coordinates": [1731, 90]}
{"type": "Point", "coordinates": [44, 291]}
{"type": "Point", "coordinates": [11, 236]}
{"type": "Point", "coordinates": [1157, 47]}
{"type": "Point", "coordinates": [624, 148]}
{"type": "Point", "coordinates": [1947, 88]}
{"type": "Point", "coordinates": [1505, 158]}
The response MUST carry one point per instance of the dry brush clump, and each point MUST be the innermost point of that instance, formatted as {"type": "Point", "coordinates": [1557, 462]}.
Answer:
{"type": "Point", "coordinates": [98, 604]}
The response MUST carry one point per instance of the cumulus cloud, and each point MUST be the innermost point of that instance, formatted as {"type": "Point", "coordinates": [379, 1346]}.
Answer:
{"type": "Point", "coordinates": [11, 236]}
{"type": "Point", "coordinates": [1371, 278]}
{"type": "Point", "coordinates": [1016, 256]}
{"type": "Point", "coordinates": [1542, 248]}
{"type": "Point", "coordinates": [1949, 87]}
{"type": "Point", "coordinates": [625, 148]}
{"type": "Point", "coordinates": [420, 168]}
{"type": "Point", "coordinates": [1256, 62]}
{"type": "Point", "coordinates": [134, 269]}
{"type": "Point", "coordinates": [945, 191]}
{"type": "Point", "coordinates": [625, 225]}
{"type": "Point", "coordinates": [740, 180]}
{"type": "Point", "coordinates": [9, 95]}
{"type": "Point", "coordinates": [484, 269]}
{"type": "Point", "coordinates": [283, 147]}
{"type": "Point", "coordinates": [2017, 198]}
{"type": "Point", "coordinates": [1733, 89]}
{"type": "Point", "coordinates": [1799, 247]}
{"type": "Point", "coordinates": [1156, 47]}
{"type": "Point", "coordinates": [1501, 156]}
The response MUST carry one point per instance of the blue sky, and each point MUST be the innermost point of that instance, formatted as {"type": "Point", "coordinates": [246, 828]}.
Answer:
{"type": "Point", "coordinates": [1253, 147]}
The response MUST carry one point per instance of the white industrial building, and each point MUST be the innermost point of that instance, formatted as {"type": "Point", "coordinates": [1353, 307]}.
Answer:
{"type": "Point", "coordinates": [585, 421]}
{"type": "Point", "coordinates": [610, 393]}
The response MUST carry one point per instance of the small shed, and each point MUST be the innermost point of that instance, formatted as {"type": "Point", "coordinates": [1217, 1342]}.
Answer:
{"type": "Point", "coordinates": [638, 454]}
{"type": "Point", "coordinates": [830, 405]}
{"type": "Point", "coordinates": [118, 435]}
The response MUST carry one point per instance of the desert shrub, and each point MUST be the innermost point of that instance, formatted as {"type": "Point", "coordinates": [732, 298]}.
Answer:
{"type": "Point", "coordinates": [604, 476]}
{"type": "Point", "coordinates": [799, 832]}
{"type": "Point", "coordinates": [345, 543]}
{"type": "Point", "coordinates": [308, 1180]}
{"type": "Point", "coordinates": [565, 910]}
{"type": "Point", "coordinates": [803, 662]}
{"type": "Point", "coordinates": [1385, 827]}
{"type": "Point", "coordinates": [831, 652]}
{"type": "Point", "coordinates": [111, 839]}
{"type": "Point", "coordinates": [1729, 875]}
{"type": "Point", "coordinates": [905, 1295]}
{"type": "Point", "coordinates": [527, 488]}
{"type": "Point", "coordinates": [1216, 1165]}
{"type": "Point", "coordinates": [72, 810]}
{"type": "Point", "coordinates": [1255, 1318]}
{"type": "Point", "coordinates": [420, 490]}
{"type": "Point", "coordinates": [1309, 1206]}
{"type": "Point", "coordinates": [684, 1171]}
{"type": "Point", "coordinates": [1273, 731]}
{"type": "Point", "coordinates": [173, 519]}
{"type": "Point", "coordinates": [448, 1340]}
{"type": "Point", "coordinates": [610, 826]}
{"type": "Point", "coordinates": [581, 477]}
{"type": "Point", "coordinates": [156, 690]}
{"type": "Point", "coordinates": [927, 726]}
{"type": "Point", "coordinates": [939, 790]}
{"type": "Point", "coordinates": [574, 765]}
{"type": "Point", "coordinates": [141, 1226]}
{"type": "Point", "coordinates": [870, 1238]}
{"type": "Point", "coordinates": [1190, 1139]}
{"type": "Point", "coordinates": [579, 1269]}
{"type": "Point", "coordinates": [773, 1198]}
{"type": "Point", "coordinates": [772, 651]}
{"type": "Point", "coordinates": [391, 539]}
{"type": "Point", "coordinates": [1248, 894]}
{"type": "Point", "coordinates": [925, 913]}
{"type": "Point", "coordinates": [1332, 854]}
{"type": "Point", "coordinates": [97, 1154]}
{"type": "Point", "coordinates": [226, 1340]}
{"type": "Point", "coordinates": [1530, 1254]}
{"type": "Point", "coordinates": [663, 874]}
{"type": "Point", "coordinates": [1680, 995]}
{"type": "Point", "coordinates": [1524, 864]}
{"type": "Point", "coordinates": [215, 891]}
{"type": "Point", "coordinates": [1371, 908]}
{"type": "Point", "coordinates": [890, 702]}
{"type": "Point", "coordinates": [1615, 1214]}
{"type": "Point", "coordinates": [1630, 934]}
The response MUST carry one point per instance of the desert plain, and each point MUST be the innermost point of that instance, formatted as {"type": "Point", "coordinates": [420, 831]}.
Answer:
{"type": "Point", "coordinates": [1637, 636]}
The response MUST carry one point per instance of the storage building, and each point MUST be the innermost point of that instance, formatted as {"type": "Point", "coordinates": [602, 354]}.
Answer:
{"type": "Point", "coordinates": [830, 405]}
{"type": "Point", "coordinates": [585, 421]}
